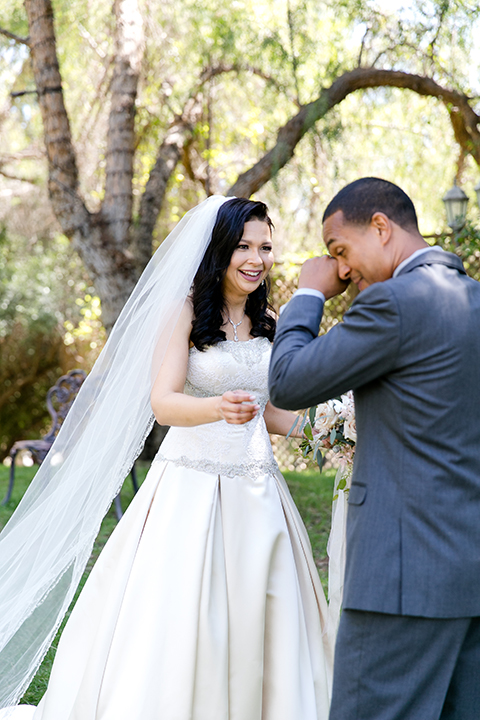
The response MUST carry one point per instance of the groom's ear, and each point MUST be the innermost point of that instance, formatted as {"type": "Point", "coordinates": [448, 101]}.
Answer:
{"type": "Point", "coordinates": [381, 226]}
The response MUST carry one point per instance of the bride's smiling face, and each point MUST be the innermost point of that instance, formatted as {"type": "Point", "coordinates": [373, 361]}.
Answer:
{"type": "Point", "coordinates": [251, 260]}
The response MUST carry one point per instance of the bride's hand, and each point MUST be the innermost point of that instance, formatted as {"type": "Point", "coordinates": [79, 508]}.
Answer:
{"type": "Point", "coordinates": [237, 407]}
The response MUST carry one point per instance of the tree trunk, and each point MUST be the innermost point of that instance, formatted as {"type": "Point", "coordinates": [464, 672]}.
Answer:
{"type": "Point", "coordinates": [100, 239]}
{"type": "Point", "coordinates": [62, 165]}
{"type": "Point", "coordinates": [118, 200]}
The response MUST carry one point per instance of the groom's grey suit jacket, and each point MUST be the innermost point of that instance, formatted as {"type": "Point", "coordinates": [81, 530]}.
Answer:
{"type": "Point", "coordinates": [409, 347]}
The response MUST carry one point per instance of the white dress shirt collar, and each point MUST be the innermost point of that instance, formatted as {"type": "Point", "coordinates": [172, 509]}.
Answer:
{"type": "Point", "coordinates": [415, 254]}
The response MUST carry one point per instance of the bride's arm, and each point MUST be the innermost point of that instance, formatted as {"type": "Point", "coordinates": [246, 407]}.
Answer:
{"type": "Point", "coordinates": [169, 403]}
{"type": "Point", "coordinates": [279, 421]}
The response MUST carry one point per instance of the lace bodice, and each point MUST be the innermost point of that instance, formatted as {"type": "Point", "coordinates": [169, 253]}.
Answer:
{"type": "Point", "coordinates": [220, 447]}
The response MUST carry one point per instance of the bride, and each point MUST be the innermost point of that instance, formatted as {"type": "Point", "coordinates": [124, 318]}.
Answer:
{"type": "Point", "coordinates": [205, 603]}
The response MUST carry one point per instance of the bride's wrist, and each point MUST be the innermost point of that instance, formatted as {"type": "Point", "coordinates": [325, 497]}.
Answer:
{"type": "Point", "coordinates": [217, 407]}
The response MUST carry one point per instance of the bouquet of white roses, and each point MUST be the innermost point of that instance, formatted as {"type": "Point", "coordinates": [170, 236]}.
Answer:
{"type": "Point", "coordinates": [330, 426]}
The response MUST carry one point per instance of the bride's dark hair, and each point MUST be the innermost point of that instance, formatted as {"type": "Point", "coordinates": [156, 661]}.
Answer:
{"type": "Point", "coordinates": [207, 295]}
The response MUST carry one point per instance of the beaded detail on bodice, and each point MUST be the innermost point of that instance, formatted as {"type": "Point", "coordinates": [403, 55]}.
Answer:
{"type": "Point", "coordinates": [220, 447]}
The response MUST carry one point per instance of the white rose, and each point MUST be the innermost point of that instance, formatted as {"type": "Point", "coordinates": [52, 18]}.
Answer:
{"type": "Point", "coordinates": [337, 406]}
{"type": "Point", "coordinates": [347, 408]}
{"type": "Point", "coordinates": [325, 418]}
{"type": "Point", "coordinates": [350, 428]}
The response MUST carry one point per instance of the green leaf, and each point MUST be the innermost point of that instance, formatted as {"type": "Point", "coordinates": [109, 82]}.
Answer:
{"type": "Point", "coordinates": [333, 436]}
{"type": "Point", "coordinates": [311, 415]}
{"type": "Point", "coordinates": [308, 432]}
{"type": "Point", "coordinates": [292, 428]}
{"type": "Point", "coordinates": [342, 484]}
{"type": "Point", "coordinates": [304, 421]}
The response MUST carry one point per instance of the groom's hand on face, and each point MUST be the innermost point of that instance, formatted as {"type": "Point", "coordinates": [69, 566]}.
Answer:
{"type": "Point", "coordinates": [321, 273]}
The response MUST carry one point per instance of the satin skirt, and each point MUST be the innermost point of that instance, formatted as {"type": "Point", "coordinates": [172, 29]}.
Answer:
{"type": "Point", "coordinates": [204, 605]}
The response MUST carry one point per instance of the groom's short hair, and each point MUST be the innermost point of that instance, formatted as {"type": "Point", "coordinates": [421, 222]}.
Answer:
{"type": "Point", "coordinates": [361, 199]}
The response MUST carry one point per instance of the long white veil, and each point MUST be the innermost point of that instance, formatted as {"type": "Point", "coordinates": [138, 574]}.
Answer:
{"type": "Point", "coordinates": [45, 546]}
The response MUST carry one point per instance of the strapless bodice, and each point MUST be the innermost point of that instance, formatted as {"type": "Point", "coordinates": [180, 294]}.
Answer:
{"type": "Point", "coordinates": [221, 447]}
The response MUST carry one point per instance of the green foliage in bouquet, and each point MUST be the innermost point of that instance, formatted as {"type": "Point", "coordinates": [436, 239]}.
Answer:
{"type": "Point", "coordinates": [329, 426]}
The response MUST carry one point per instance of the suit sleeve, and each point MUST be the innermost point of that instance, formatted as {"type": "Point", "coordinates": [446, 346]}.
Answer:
{"type": "Point", "coordinates": [306, 369]}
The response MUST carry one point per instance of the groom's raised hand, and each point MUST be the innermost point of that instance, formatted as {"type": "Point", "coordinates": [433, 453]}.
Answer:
{"type": "Point", "coordinates": [321, 273]}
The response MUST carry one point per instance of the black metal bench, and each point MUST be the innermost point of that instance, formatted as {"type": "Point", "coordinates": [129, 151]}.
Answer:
{"type": "Point", "coordinates": [63, 393]}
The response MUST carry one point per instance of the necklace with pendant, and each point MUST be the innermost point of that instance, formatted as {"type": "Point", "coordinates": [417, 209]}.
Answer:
{"type": "Point", "coordinates": [235, 326]}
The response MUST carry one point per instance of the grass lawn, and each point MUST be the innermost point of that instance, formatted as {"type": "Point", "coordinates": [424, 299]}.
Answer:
{"type": "Point", "coordinates": [311, 491]}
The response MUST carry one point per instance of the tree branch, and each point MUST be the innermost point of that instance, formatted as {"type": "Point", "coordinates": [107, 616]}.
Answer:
{"type": "Point", "coordinates": [20, 93]}
{"type": "Point", "coordinates": [29, 154]}
{"type": "Point", "coordinates": [195, 174]}
{"type": "Point", "coordinates": [17, 38]}
{"type": "Point", "coordinates": [92, 113]}
{"type": "Point", "coordinates": [441, 16]}
{"type": "Point", "coordinates": [18, 179]}
{"type": "Point", "coordinates": [168, 155]}
{"type": "Point", "coordinates": [362, 47]}
{"type": "Point", "coordinates": [91, 41]}
{"type": "Point", "coordinates": [466, 135]}
{"type": "Point", "coordinates": [466, 128]}
{"type": "Point", "coordinates": [210, 72]}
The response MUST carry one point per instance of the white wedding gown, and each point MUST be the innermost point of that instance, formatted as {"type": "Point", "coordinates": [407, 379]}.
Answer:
{"type": "Point", "coordinates": [205, 603]}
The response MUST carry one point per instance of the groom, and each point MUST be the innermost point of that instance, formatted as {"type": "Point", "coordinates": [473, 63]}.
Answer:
{"type": "Point", "coordinates": [408, 645]}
